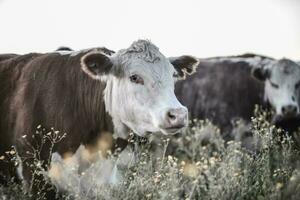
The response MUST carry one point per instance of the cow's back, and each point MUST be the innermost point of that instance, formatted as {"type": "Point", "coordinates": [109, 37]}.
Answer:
{"type": "Point", "coordinates": [221, 91]}
{"type": "Point", "coordinates": [7, 56]}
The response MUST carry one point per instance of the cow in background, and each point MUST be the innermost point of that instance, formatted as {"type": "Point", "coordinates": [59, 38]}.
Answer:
{"type": "Point", "coordinates": [225, 89]}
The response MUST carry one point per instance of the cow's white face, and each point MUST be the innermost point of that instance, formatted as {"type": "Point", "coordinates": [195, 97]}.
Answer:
{"type": "Point", "coordinates": [139, 92]}
{"type": "Point", "coordinates": [282, 85]}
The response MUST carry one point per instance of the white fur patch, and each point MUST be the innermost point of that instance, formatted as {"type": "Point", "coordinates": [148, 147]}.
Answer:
{"type": "Point", "coordinates": [72, 52]}
{"type": "Point", "coordinates": [64, 52]}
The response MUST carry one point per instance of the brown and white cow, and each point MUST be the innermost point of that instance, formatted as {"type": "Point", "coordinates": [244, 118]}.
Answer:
{"type": "Point", "coordinates": [86, 93]}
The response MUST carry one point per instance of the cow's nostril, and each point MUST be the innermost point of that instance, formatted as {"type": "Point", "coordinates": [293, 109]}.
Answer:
{"type": "Point", "coordinates": [283, 110]}
{"type": "Point", "coordinates": [295, 109]}
{"type": "Point", "coordinates": [171, 116]}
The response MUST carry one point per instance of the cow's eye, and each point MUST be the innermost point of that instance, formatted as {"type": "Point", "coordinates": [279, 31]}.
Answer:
{"type": "Point", "coordinates": [274, 85]}
{"type": "Point", "coordinates": [136, 79]}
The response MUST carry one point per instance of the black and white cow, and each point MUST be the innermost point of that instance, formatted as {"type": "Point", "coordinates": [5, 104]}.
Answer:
{"type": "Point", "coordinates": [228, 88]}
{"type": "Point", "coordinates": [87, 93]}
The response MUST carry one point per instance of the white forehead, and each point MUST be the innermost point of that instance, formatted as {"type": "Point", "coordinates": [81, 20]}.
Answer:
{"type": "Point", "coordinates": [144, 57]}
{"type": "Point", "coordinates": [285, 71]}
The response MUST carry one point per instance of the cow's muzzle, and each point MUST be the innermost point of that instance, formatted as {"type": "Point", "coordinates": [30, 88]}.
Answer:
{"type": "Point", "coordinates": [175, 120]}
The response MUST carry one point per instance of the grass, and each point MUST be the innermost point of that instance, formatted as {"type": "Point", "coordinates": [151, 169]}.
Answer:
{"type": "Point", "coordinates": [198, 164]}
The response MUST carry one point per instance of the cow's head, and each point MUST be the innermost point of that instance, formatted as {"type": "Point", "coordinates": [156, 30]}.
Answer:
{"type": "Point", "coordinates": [139, 93]}
{"type": "Point", "coordinates": [282, 86]}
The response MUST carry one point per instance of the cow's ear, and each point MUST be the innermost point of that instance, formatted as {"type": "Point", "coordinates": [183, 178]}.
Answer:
{"type": "Point", "coordinates": [63, 48]}
{"type": "Point", "coordinates": [260, 73]}
{"type": "Point", "coordinates": [184, 65]}
{"type": "Point", "coordinates": [96, 64]}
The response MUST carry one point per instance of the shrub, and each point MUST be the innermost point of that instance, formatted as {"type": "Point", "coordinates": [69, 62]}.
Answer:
{"type": "Point", "coordinates": [198, 164]}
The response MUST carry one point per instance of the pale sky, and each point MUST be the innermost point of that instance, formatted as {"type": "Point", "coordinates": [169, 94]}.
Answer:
{"type": "Point", "coordinates": [202, 28]}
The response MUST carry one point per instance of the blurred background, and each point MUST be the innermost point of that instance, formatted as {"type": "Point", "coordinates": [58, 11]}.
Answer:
{"type": "Point", "coordinates": [202, 28]}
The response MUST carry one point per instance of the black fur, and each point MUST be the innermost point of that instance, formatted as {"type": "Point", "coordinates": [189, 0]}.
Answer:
{"type": "Point", "coordinates": [222, 91]}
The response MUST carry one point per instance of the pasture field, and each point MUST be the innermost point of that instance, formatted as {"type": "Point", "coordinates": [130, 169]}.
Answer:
{"type": "Point", "coordinates": [199, 164]}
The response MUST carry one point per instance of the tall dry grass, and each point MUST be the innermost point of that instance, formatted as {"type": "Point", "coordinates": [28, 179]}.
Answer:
{"type": "Point", "coordinates": [198, 164]}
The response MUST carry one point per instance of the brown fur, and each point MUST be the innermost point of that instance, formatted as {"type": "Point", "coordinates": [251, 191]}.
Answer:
{"type": "Point", "coordinates": [49, 90]}
{"type": "Point", "coordinates": [7, 56]}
